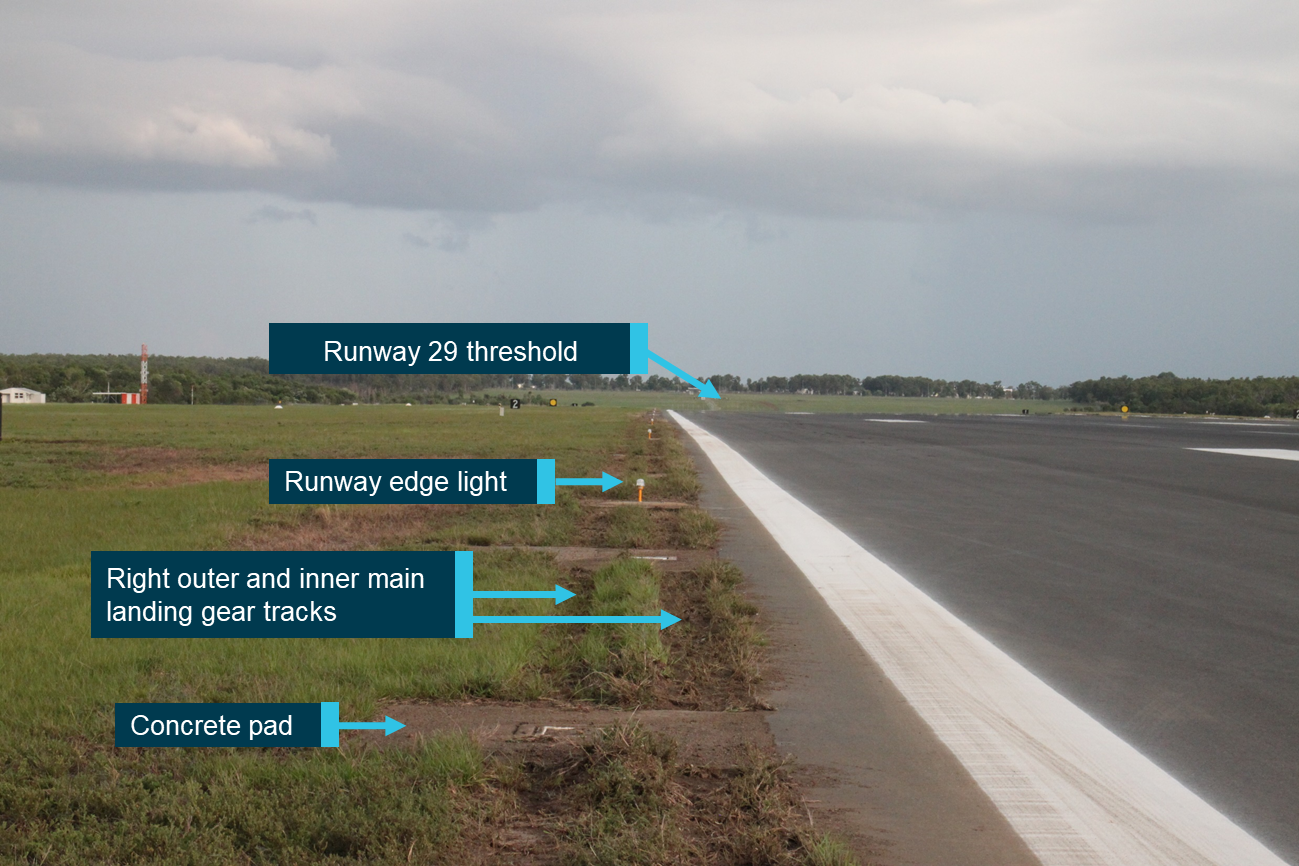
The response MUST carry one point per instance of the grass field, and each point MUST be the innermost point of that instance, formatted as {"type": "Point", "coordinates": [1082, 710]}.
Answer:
{"type": "Point", "coordinates": [800, 403]}
{"type": "Point", "coordinates": [77, 478]}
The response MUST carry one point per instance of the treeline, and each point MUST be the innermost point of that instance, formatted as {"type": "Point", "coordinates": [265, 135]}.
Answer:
{"type": "Point", "coordinates": [874, 386]}
{"type": "Point", "coordinates": [76, 378]}
{"type": "Point", "coordinates": [1165, 393]}
{"type": "Point", "coordinates": [176, 379]}
{"type": "Point", "coordinates": [1169, 394]}
{"type": "Point", "coordinates": [434, 388]}
{"type": "Point", "coordinates": [172, 379]}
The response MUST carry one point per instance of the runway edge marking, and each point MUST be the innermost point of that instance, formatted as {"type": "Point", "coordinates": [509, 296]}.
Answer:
{"type": "Point", "coordinates": [1273, 453]}
{"type": "Point", "coordinates": [1077, 793]}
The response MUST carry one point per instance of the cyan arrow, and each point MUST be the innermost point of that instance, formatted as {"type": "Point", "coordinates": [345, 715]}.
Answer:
{"type": "Point", "coordinates": [605, 481]}
{"type": "Point", "coordinates": [706, 389]}
{"type": "Point", "coordinates": [388, 725]}
{"type": "Point", "coordinates": [559, 594]}
{"type": "Point", "coordinates": [330, 725]}
{"type": "Point", "coordinates": [664, 619]}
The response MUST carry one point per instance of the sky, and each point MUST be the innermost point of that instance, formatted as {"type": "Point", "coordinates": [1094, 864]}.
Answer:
{"type": "Point", "coordinates": [987, 189]}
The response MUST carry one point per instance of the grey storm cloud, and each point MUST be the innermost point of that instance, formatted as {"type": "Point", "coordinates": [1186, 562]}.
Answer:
{"type": "Point", "coordinates": [857, 108]}
{"type": "Point", "coordinates": [275, 214]}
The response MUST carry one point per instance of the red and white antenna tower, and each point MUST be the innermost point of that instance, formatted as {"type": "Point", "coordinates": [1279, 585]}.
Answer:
{"type": "Point", "coordinates": [144, 373]}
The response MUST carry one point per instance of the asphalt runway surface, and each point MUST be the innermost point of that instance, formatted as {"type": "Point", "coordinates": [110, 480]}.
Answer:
{"type": "Point", "coordinates": [1154, 586]}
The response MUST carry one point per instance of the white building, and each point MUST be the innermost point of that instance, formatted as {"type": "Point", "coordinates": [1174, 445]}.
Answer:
{"type": "Point", "coordinates": [21, 395]}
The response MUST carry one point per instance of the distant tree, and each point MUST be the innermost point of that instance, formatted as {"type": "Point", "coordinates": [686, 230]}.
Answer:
{"type": "Point", "coordinates": [726, 383]}
{"type": "Point", "coordinates": [1167, 393]}
{"type": "Point", "coordinates": [1028, 391]}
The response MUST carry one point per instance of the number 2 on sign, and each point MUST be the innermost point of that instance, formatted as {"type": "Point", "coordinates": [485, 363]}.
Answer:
{"type": "Point", "coordinates": [447, 350]}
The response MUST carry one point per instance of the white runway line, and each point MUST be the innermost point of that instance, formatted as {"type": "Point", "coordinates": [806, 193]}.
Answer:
{"type": "Point", "coordinates": [894, 421]}
{"type": "Point", "coordinates": [1274, 453]}
{"type": "Point", "coordinates": [1075, 792]}
{"type": "Point", "coordinates": [1239, 423]}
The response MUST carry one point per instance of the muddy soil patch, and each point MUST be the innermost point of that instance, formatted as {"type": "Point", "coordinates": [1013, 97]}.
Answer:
{"type": "Point", "coordinates": [716, 659]}
{"type": "Point", "coordinates": [407, 527]}
{"type": "Point", "coordinates": [340, 527]}
{"type": "Point", "coordinates": [170, 467]}
{"type": "Point", "coordinates": [443, 527]}
{"type": "Point", "coordinates": [583, 785]}
{"type": "Point", "coordinates": [667, 559]}
{"type": "Point", "coordinates": [624, 525]}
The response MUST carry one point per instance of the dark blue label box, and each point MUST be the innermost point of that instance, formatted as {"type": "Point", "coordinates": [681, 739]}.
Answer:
{"type": "Point", "coordinates": [217, 725]}
{"type": "Point", "coordinates": [412, 482]}
{"type": "Point", "coordinates": [292, 594]}
{"type": "Point", "coordinates": [277, 594]}
{"type": "Point", "coordinates": [299, 347]}
{"type": "Point", "coordinates": [299, 726]}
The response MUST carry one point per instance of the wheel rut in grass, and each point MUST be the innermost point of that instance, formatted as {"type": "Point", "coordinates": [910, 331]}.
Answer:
{"type": "Point", "coordinates": [581, 784]}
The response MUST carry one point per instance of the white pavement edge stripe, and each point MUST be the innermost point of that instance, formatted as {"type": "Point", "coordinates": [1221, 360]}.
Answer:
{"type": "Point", "coordinates": [1274, 453]}
{"type": "Point", "coordinates": [1073, 790]}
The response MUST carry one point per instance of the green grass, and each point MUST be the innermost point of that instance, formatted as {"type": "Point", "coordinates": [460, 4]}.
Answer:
{"type": "Point", "coordinates": [827, 851]}
{"type": "Point", "coordinates": [79, 478]}
{"type": "Point", "coordinates": [544, 526]}
{"type": "Point", "coordinates": [610, 663]}
{"type": "Point", "coordinates": [46, 528]}
{"type": "Point", "coordinates": [743, 402]}
{"type": "Point", "coordinates": [69, 804]}
{"type": "Point", "coordinates": [63, 512]}
{"type": "Point", "coordinates": [628, 798]}
{"type": "Point", "coordinates": [629, 527]}
{"type": "Point", "coordinates": [632, 804]}
{"type": "Point", "coordinates": [66, 793]}
{"type": "Point", "coordinates": [70, 502]}
{"type": "Point", "coordinates": [67, 796]}
{"type": "Point", "coordinates": [81, 445]}
{"type": "Point", "coordinates": [58, 680]}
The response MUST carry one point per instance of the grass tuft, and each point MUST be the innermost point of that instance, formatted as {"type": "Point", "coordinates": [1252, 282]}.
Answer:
{"type": "Point", "coordinates": [629, 527]}
{"type": "Point", "coordinates": [626, 799]}
{"type": "Point", "coordinates": [826, 851]}
{"type": "Point", "coordinates": [611, 664]}
{"type": "Point", "coordinates": [696, 529]}
{"type": "Point", "coordinates": [716, 651]}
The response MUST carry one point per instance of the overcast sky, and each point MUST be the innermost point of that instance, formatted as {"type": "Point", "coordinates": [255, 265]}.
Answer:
{"type": "Point", "coordinates": [994, 189]}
